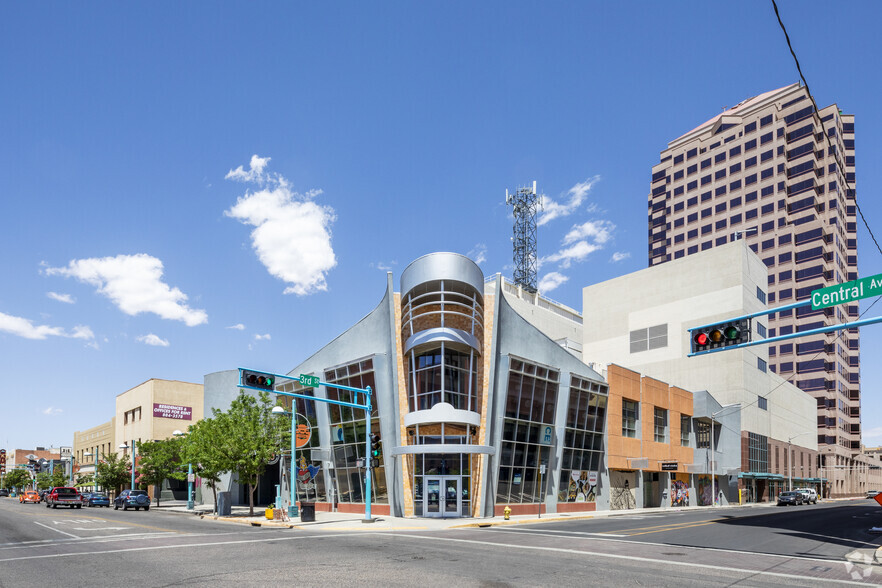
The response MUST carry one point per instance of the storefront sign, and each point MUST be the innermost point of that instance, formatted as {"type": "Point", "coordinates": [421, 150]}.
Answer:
{"type": "Point", "coordinates": [172, 411]}
{"type": "Point", "coordinates": [669, 466]}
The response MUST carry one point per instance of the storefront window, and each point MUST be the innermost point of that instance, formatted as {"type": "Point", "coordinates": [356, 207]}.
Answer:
{"type": "Point", "coordinates": [583, 441]}
{"type": "Point", "coordinates": [530, 404]}
{"type": "Point", "coordinates": [446, 373]}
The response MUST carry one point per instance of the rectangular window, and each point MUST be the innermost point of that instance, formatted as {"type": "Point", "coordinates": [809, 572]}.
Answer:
{"type": "Point", "coordinates": [760, 295]}
{"type": "Point", "coordinates": [654, 337]}
{"type": "Point", "coordinates": [761, 364]}
{"type": "Point", "coordinates": [630, 415]}
{"type": "Point", "coordinates": [685, 429]}
{"type": "Point", "coordinates": [661, 425]}
{"type": "Point", "coordinates": [762, 403]}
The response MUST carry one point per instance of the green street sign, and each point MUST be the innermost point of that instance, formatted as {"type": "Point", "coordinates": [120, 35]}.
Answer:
{"type": "Point", "coordinates": [847, 292]}
{"type": "Point", "coordinates": [309, 381]}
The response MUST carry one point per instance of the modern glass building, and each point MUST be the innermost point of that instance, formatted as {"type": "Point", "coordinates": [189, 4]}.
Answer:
{"type": "Point", "coordinates": [776, 173]}
{"type": "Point", "coordinates": [476, 408]}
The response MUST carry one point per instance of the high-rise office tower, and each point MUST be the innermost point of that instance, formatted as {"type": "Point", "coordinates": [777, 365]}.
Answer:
{"type": "Point", "coordinates": [774, 172]}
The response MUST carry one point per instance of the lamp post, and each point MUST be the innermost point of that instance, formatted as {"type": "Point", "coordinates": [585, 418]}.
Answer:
{"type": "Point", "coordinates": [713, 451]}
{"type": "Point", "coordinates": [292, 481]}
{"type": "Point", "coordinates": [124, 447]}
{"type": "Point", "coordinates": [790, 461]}
{"type": "Point", "coordinates": [179, 433]}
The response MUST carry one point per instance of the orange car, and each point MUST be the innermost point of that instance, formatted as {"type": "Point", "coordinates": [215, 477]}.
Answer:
{"type": "Point", "coordinates": [29, 496]}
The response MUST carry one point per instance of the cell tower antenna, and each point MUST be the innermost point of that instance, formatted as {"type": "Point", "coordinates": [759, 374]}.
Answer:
{"type": "Point", "coordinates": [525, 202]}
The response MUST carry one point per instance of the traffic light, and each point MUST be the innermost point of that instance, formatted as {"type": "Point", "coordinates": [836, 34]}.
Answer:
{"type": "Point", "coordinates": [375, 445]}
{"type": "Point", "coordinates": [258, 380]}
{"type": "Point", "coordinates": [720, 335]}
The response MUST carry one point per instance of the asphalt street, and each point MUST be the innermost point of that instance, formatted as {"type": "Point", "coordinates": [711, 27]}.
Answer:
{"type": "Point", "coordinates": [103, 547]}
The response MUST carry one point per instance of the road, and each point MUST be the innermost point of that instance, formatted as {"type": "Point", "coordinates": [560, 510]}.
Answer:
{"type": "Point", "coordinates": [798, 546]}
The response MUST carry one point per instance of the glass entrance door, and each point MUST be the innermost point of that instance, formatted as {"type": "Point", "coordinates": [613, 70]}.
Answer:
{"type": "Point", "coordinates": [442, 496]}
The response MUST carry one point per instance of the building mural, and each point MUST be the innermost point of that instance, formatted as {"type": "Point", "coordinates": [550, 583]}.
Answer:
{"type": "Point", "coordinates": [706, 491]}
{"type": "Point", "coordinates": [680, 490]}
{"type": "Point", "coordinates": [622, 486]}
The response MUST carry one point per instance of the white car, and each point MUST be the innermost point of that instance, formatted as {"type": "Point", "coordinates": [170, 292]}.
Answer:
{"type": "Point", "coordinates": [809, 495]}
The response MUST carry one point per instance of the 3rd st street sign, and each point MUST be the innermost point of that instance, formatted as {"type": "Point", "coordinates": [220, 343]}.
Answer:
{"type": "Point", "coordinates": [840, 293]}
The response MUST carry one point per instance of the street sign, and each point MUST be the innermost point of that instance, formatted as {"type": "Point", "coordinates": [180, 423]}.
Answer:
{"type": "Point", "coordinates": [191, 477]}
{"type": "Point", "coordinates": [547, 436]}
{"type": "Point", "coordinates": [847, 292]}
{"type": "Point", "coordinates": [303, 434]}
{"type": "Point", "coordinates": [312, 381]}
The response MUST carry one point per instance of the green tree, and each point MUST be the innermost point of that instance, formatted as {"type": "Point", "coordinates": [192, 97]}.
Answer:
{"type": "Point", "coordinates": [202, 449]}
{"type": "Point", "coordinates": [44, 481]}
{"type": "Point", "coordinates": [113, 471]}
{"type": "Point", "coordinates": [85, 480]}
{"type": "Point", "coordinates": [58, 478]}
{"type": "Point", "coordinates": [248, 435]}
{"type": "Point", "coordinates": [158, 461]}
{"type": "Point", "coordinates": [18, 478]}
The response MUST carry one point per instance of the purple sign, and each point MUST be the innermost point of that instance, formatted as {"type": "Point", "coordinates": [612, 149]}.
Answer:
{"type": "Point", "coordinates": [172, 411]}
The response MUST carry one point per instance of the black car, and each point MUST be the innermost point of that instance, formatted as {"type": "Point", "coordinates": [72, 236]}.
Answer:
{"type": "Point", "coordinates": [136, 499]}
{"type": "Point", "coordinates": [4, 492]}
{"type": "Point", "coordinates": [792, 497]}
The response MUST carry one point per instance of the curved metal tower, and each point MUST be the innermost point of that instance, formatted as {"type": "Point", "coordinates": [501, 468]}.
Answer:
{"type": "Point", "coordinates": [525, 202]}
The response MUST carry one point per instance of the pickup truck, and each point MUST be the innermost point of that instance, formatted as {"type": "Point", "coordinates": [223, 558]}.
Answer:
{"type": "Point", "coordinates": [62, 496]}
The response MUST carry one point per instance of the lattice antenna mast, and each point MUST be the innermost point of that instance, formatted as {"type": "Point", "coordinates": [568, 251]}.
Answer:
{"type": "Point", "coordinates": [525, 202]}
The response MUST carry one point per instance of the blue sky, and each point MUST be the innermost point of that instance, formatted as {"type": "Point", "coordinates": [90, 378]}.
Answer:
{"type": "Point", "coordinates": [193, 187]}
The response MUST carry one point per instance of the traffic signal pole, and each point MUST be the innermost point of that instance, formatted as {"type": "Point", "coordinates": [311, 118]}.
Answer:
{"type": "Point", "coordinates": [314, 382]}
{"type": "Point", "coordinates": [763, 341]}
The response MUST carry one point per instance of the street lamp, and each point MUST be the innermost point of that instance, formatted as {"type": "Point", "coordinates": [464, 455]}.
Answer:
{"type": "Point", "coordinates": [790, 461]}
{"type": "Point", "coordinates": [178, 433]}
{"type": "Point", "coordinates": [292, 481]}
{"type": "Point", "coordinates": [124, 447]}
{"type": "Point", "coordinates": [713, 451]}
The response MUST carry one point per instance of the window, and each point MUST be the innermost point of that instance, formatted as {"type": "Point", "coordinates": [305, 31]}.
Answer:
{"type": "Point", "coordinates": [702, 435]}
{"type": "Point", "coordinates": [685, 429]}
{"type": "Point", "coordinates": [762, 403]}
{"type": "Point", "coordinates": [760, 295]}
{"type": "Point", "coordinates": [583, 437]}
{"type": "Point", "coordinates": [630, 415]}
{"type": "Point", "coordinates": [761, 364]}
{"type": "Point", "coordinates": [650, 338]}
{"type": "Point", "coordinates": [661, 425]}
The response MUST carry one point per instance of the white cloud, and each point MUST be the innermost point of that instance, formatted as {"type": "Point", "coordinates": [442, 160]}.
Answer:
{"type": "Point", "coordinates": [134, 283]}
{"type": "Point", "coordinates": [572, 201]}
{"type": "Point", "coordinates": [478, 254]}
{"type": "Point", "coordinates": [255, 174]}
{"type": "Point", "coordinates": [619, 256]}
{"type": "Point", "coordinates": [597, 231]}
{"type": "Point", "coordinates": [66, 298]}
{"type": "Point", "coordinates": [292, 236]}
{"type": "Point", "coordinates": [22, 327]}
{"type": "Point", "coordinates": [153, 340]}
{"type": "Point", "coordinates": [266, 337]}
{"type": "Point", "coordinates": [383, 266]}
{"type": "Point", "coordinates": [238, 327]}
{"type": "Point", "coordinates": [50, 410]}
{"type": "Point", "coordinates": [577, 252]}
{"type": "Point", "coordinates": [552, 280]}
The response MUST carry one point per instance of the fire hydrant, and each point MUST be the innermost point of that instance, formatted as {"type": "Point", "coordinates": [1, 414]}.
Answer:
{"type": "Point", "coordinates": [506, 512]}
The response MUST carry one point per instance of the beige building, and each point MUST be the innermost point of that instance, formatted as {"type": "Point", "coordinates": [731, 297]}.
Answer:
{"type": "Point", "coordinates": [154, 410]}
{"type": "Point", "coordinates": [91, 445]}
{"type": "Point", "coordinates": [765, 171]}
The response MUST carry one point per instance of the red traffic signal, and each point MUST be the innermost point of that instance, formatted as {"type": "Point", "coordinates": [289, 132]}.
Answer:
{"type": "Point", "coordinates": [721, 335]}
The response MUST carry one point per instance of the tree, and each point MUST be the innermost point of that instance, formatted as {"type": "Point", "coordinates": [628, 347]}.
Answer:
{"type": "Point", "coordinates": [18, 478]}
{"type": "Point", "coordinates": [113, 471]}
{"type": "Point", "coordinates": [202, 448]}
{"type": "Point", "coordinates": [248, 435]}
{"type": "Point", "coordinates": [44, 481]}
{"type": "Point", "coordinates": [58, 478]}
{"type": "Point", "coordinates": [158, 461]}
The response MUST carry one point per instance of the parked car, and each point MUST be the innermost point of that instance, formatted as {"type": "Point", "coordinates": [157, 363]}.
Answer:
{"type": "Point", "coordinates": [43, 494]}
{"type": "Point", "coordinates": [136, 499]}
{"type": "Point", "coordinates": [809, 495]}
{"type": "Point", "coordinates": [64, 496]}
{"type": "Point", "coordinates": [4, 492]}
{"type": "Point", "coordinates": [96, 499]}
{"type": "Point", "coordinates": [872, 493]}
{"type": "Point", "coordinates": [791, 497]}
{"type": "Point", "coordinates": [29, 496]}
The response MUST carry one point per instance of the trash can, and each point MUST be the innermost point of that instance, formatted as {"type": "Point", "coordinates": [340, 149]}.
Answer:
{"type": "Point", "coordinates": [307, 512]}
{"type": "Point", "coordinates": [224, 504]}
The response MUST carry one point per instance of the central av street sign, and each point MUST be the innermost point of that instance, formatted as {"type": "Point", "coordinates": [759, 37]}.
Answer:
{"type": "Point", "coordinates": [840, 293]}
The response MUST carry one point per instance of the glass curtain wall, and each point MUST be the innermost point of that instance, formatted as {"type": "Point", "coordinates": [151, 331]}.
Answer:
{"type": "Point", "coordinates": [310, 481]}
{"type": "Point", "coordinates": [348, 424]}
{"type": "Point", "coordinates": [583, 441]}
{"type": "Point", "coordinates": [530, 404]}
{"type": "Point", "coordinates": [445, 373]}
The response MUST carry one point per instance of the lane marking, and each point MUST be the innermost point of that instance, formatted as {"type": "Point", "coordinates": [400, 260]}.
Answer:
{"type": "Point", "coordinates": [56, 530]}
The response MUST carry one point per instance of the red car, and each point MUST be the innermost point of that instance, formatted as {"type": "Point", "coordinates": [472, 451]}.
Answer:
{"type": "Point", "coordinates": [62, 496]}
